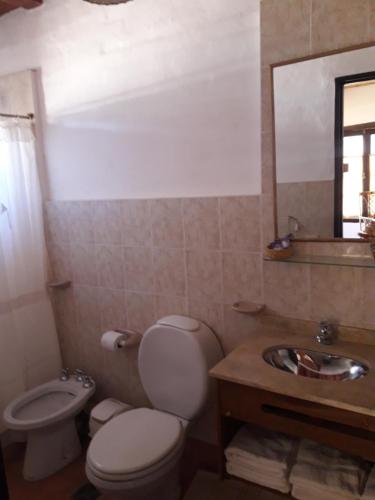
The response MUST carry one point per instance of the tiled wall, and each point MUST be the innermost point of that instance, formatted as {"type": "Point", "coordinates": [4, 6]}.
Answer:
{"type": "Point", "coordinates": [311, 203]}
{"type": "Point", "coordinates": [292, 29]}
{"type": "Point", "coordinates": [134, 261]}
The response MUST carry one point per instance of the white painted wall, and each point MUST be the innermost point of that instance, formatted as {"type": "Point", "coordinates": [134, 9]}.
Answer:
{"type": "Point", "coordinates": [148, 99]}
{"type": "Point", "coordinates": [305, 113]}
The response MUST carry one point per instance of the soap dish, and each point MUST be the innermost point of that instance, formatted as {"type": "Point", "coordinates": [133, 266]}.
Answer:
{"type": "Point", "coordinates": [248, 307]}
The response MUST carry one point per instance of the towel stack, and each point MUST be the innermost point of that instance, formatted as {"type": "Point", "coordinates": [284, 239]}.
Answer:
{"type": "Point", "coordinates": [261, 457]}
{"type": "Point", "coordinates": [369, 493]}
{"type": "Point", "coordinates": [322, 472]}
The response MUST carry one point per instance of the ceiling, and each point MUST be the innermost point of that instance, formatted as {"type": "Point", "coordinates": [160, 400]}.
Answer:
{"type": "Point", "coordinates": [8, 5]}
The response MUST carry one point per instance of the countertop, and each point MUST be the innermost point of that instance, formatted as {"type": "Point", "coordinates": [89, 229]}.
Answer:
{"type": "Point", "coordinates": [246, 366]}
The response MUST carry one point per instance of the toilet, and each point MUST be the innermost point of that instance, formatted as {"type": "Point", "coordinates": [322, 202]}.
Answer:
{"type": "Point", "coordinates": [135, 456]}
{"type": "Point", "coordinates": [46, 415]}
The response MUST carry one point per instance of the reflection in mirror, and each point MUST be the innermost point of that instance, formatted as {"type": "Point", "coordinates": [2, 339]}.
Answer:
{"type": "Point", "coordinates": [354, 175]}
{"type": "Point", "coordinates": [325, 142]}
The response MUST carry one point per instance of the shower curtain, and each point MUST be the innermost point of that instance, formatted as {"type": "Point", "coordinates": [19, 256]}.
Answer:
{"type": "Point", "coordinates": [29, 351]}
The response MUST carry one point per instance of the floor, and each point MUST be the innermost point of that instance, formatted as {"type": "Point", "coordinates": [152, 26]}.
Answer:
{"type": "Point", "coordinates": [208, 486]}
{"type": "Point", "coordinates": [61, 486]}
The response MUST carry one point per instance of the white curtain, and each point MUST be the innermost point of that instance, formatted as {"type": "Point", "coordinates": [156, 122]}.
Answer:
{"type": "Point", "coordinates": [29, 351]}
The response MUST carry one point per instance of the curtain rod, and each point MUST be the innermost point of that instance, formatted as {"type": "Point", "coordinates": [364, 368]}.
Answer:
{"type": "Point", "coordinates": [29, 116]}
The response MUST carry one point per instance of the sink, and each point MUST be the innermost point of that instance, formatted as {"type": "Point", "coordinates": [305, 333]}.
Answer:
{"type": "Point", "coordinates": [314, 364]}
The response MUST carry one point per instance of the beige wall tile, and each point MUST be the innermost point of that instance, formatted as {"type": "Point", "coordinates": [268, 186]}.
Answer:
{"type": "Point", "coordinates": [287, 289]}
{"type": "Point", "coordinates": [167, 230]}
{"type": "Point", "coordinates": [136, 223]}
{"type": "Point", "coordinates": [209, 313]}
{"type": "Point", "coordinates": [80, 220]}
{"type": "Point", "coordinates": [285, 29]}
{"type": "Point", "coordinates": [87, 312]}
{"type": "Point", "coordinates": [56, 222]}
{"type": "Point", "coordinates": [109, 263]}
{"type": "Point", "coordinates": [242, 277]}
{"type": "Point", "coordinates": [204, 274]}
{"type": "Point", "coordinates": [201, 223]}
{"type": "Point", "coordinates": [338, 23]}
{"type": "Point", "coordinates": [166, 305]}
{"type": "Point", "coordinates": [268, 170]}
{"type": "Point", "coordinates": [169, 271]}
{"type": "Point", "coordinates": [336, 294]}
{"type": "Point", "coordinates": [240, 223]}
{"type": "Point", "coordinates": [367, 309]}
{"type": "Point", "coordinates": [82, 258]}
{"type": "Point", "coordinates": [371, 20]}
{"type": "Point", "coordinates": [266, 91]}
{"type": "Point", "coordinates": [140, 310]}
{"type": "Point", "coordinates": [238, 328]}
{"type": "Point", "coordinates": [138, 269]}
{"type": "Point", "coordinates": [59, 259]}
{"type": "Point", "coordinates": [268, 219]}
{"type": "Point", "coordinates": [65, 312]}
{"type": "Point", "coordinates": [112, 309]}
{"type": "Point", "coordinates": [108, 222]}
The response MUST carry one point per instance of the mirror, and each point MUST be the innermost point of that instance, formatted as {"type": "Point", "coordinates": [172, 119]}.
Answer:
{"type": "Point", "coordinates": [325, 146]}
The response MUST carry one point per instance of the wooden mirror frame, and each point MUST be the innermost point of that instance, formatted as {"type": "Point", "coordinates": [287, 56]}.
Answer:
{"type": "Point", "coordinates": [286, 63]}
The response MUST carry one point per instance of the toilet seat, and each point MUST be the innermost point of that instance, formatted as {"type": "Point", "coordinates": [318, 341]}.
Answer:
{"type": "Point", "coordinates": [135, 444]}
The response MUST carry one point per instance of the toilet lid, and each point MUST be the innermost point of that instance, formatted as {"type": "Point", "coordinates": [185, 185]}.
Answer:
{"type": "Point", "coordinates": [134, 441]}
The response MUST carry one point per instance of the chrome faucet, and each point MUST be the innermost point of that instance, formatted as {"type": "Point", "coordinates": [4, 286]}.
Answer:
{"type": "Point", "coordinates": [65, 375]}
{"type": "Point", "coordinates": [88, 382]}
{"type": "Point", "coordinates": [79, 375]}
{"type": "Point", "coordinates": [326, 333]}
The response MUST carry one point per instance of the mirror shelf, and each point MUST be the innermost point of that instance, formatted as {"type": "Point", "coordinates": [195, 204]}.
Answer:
{"type": "Point", "coordinates": [329, 260]}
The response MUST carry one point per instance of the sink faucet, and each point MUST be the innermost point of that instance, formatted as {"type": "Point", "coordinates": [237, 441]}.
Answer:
{"type": "Point", "coordinates": [326, 333]}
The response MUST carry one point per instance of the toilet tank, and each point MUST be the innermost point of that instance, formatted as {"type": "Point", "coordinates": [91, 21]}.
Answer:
{"type": "Point", "coordinates": [174, 358]}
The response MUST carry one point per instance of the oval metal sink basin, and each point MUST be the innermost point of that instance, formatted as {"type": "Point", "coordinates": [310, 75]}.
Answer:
{"type": "Point", "coordinates": [314, 364]}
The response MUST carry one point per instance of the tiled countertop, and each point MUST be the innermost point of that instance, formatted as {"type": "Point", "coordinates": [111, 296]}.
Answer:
{"type": "Point", "coordinates": [245, 365]}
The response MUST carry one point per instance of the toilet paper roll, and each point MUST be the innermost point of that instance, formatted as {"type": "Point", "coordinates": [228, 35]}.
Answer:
{"type": "Point", "coordinates": [113, 341]}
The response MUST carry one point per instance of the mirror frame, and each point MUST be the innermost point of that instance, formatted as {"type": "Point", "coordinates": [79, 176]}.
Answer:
{"type": "Point", "coordinates": [286, 63]}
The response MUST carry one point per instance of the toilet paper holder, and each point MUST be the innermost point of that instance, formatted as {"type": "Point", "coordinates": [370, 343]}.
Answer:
{"type": "Point", "coordinates": [132, 337]}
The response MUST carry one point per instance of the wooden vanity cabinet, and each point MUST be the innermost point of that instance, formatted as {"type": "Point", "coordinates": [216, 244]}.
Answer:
{"type": "Point", "coordinates": [348, 431]}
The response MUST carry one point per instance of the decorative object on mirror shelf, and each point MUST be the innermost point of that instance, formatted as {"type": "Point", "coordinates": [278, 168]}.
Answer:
{"type": "Point", "coordinates": [294, 225]}
{"type": "Point", "coordinates": [367, 217]}
{"type": "Point", "coordinates": [245, 307]}
{"type": "Point", "coordinates": [280, 249]}
{"type": "Point", "coordinates": [107, 2]}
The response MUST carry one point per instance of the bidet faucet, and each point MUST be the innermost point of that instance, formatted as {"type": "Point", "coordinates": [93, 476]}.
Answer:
{"type": "Point", "coordinates": [326, 333]}
{"type": "Point", "coordinates": [79, 374]}
{"type": "Point", "coordinates": [88, 382]}
{"type": "Point", "coordinates": [64, 375]}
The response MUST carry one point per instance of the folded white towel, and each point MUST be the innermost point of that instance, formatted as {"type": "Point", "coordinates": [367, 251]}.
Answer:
{"type": "Point", "coordinates": [276, 483]}
{"type": "Point", "coordinates": [265, 448]}
{"type": "Point", "coordinates": [277, 470]}
{"type": "Point", "coordinates": [328, 470]}
{"type": "Point", "coordinates": [369, 493]}
{"type": "Point", "coordinates": [242, 464]}
{"type": "Point", "coordinates": [302, 492]}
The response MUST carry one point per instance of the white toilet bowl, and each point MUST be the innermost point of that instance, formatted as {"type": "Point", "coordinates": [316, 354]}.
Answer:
{"type": "Point", "coordinates": [135, 456]}
{"type": "Point", "coordinates": [46, 413]}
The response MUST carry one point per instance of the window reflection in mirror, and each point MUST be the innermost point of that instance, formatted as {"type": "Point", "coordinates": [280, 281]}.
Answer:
{"type": "Point", "coordinates": [355, 132]}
